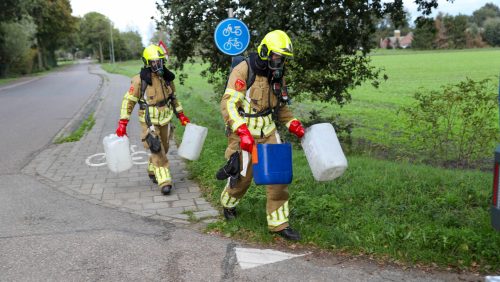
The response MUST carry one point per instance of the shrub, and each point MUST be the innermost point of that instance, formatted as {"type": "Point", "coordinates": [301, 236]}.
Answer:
{"type": "Point", "coordinates": [15, 52]}
{"type": "Point", "coordinates": [455, 124]}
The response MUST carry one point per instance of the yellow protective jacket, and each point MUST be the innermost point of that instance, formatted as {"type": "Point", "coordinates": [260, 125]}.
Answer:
{"type": "Point", "coordinates": [156, 94]}
{"type": "Point", "coordinates": [258, 98]}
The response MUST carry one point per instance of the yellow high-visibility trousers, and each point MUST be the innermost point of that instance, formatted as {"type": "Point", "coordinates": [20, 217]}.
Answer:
{"type": "Point", "coordinates": [277, 195]}
{"type": "Point", "coordinates": [158, 162]}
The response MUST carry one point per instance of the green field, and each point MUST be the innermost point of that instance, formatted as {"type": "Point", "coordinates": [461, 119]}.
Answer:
{"type": "Point", "coordinates": [391, 210]}
{"type": "Point", "coordinates": [374, 112]}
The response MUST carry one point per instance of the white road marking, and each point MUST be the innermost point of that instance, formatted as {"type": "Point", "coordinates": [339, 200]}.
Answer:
{"type": "Point", "coordinates": [99, 159]}
{"type": "Point", "coordinates": [249, 258]}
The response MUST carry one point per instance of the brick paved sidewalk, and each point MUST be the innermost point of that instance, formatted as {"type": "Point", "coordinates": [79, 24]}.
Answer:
{"type": "Point", "coordinates": [65, 167]}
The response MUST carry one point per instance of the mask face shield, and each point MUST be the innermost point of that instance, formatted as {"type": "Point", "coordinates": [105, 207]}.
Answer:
{"type": "Point", "coordinates": [276, 61]}
{"type": "Point", "coordinates": [156, 65]}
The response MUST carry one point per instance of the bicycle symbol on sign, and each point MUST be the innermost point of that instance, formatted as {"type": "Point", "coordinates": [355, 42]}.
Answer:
{"type": "Point", "coordinates": [138, 158]}
{"type": "Point", "coordinates": [233, 42]}
{"type": "Point", "coordinates": [229, 29]}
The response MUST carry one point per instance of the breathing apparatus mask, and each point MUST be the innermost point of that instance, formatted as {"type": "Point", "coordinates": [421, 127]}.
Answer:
{"type": "Point", "coordinates": [157, 66]}
{"type": "Point", "coordinates": [276, 63]}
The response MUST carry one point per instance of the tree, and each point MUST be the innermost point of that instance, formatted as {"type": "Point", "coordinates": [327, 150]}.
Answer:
{"type": "Point", "coordinates": [492, 31]}
{"type": "Point", "coordinates": [54, 23]}
{"type": "Point", "coordinates": [95, 32]}
{"type": "Point", "coordinates": [161, 34]}
{"type": "Point", "coordinates": [128, 45]}
{"type": "Point", "coordinates": [331, 39]}
{"type": "Point", "coordinates": [425, 33]}
{"type": "Point", "coordinates": [441, 40]}
{"type": "Point", "coordinates": [473, 37]}
{"type": "Point", "coordinates": [15, 56]}
{"type": "Point", "coordinates": [13, 10]}
{"type": "Point", "coordinates": [71, 45]}
{"type": "Point", "coordinates": [455, 29]}
{"type": "Point", "coordinates": [489, 10]}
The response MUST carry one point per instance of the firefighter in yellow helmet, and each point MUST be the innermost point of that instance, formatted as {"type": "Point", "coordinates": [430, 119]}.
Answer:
{"type": "Point", "coordinates": [154, 90]}
{"type": "Point", "coordinates": [250, 112]}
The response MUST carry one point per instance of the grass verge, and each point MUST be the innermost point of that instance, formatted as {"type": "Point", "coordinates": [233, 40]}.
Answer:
{"type": "Point", "coordinates": [76, 135]}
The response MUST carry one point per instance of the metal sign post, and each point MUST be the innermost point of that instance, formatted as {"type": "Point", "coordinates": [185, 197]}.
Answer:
{"type": "Point", "coordinates": [495, 205]}
{"type": "Point", "coordinates": [232, 36]}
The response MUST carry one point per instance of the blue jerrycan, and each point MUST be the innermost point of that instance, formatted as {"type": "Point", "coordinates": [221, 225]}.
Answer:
{"type": "Point", "coordinates": [272, 164]}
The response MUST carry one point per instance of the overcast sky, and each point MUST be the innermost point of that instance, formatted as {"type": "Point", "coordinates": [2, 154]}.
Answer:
{"type": "Point", "coordinates": [126, 15]}
{"type": "Point", "coordinates": [136, 15]}
{"type": "Point", "coordinates": [464, 7]}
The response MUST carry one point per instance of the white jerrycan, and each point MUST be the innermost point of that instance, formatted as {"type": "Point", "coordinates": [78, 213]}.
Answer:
{"type": "Point", "coordinates": [323, 152]}
{"type": "Point", "coordinates": [192, 141]}
{"type": "Point", "coordinates": [117, 150]}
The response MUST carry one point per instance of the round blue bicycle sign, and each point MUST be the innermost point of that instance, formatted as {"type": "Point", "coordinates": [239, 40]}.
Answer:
{"type": "Point", "coordinates": [232, 36]}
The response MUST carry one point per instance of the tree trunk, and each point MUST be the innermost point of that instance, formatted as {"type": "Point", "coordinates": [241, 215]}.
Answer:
{"type": "Point", "coordinates": [101, 58]}
{"type": "Point", "coordinates": [39, 54]}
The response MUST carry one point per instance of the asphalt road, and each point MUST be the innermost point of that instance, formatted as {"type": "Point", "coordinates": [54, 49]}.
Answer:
{"type": "Point", "coordinates": [32, 113]}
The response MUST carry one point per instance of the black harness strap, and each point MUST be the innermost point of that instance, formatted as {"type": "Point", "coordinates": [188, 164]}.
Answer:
{"type": "Point", "coordinates": [142, 103]}
{"type": "Point", "coordinates": [259, 114]}
{"type": "Point", "coordinates": [165, 102]}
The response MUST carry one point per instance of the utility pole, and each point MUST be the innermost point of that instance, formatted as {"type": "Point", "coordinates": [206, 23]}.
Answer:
{"type": "Point", "coordinates": [112, 49]}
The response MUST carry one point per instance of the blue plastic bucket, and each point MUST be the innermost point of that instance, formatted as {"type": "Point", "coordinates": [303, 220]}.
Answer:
{"type": "Point", "coordinates": [272, 164]}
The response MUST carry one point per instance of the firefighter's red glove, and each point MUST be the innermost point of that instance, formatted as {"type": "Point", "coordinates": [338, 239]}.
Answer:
{"type": "Point", "coordinates": [296, 128]}
{"type": "Point", "coordinates": [246, 139]}
{"type": "Point", "coordinates": [184, 119]}
{"type": "Point", "coordinates": [122, 127]}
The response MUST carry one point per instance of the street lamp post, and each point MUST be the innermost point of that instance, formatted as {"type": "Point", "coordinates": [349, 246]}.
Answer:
{"type": "Point", "coordinates": [112, 49]}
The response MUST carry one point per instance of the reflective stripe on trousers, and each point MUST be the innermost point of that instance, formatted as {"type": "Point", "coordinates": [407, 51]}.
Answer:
{"type": "Point", "coordinates": [162, 175]}
{"type": "Point", "coordinates": [158, 117]}
{"type": "Point", "coordinates": [151, 168]}
{"type": "Point", "coordinates": [279, 216]}
{"type": "Point", "coordinates": [228, 201]}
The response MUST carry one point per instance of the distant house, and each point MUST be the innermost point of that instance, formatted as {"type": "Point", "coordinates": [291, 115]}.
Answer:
{"type": "Point", "coordinates": [397, 41]}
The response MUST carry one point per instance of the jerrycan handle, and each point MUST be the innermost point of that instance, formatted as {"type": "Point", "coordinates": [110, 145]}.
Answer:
{"type": "Point", "coordinates": [255, 155]}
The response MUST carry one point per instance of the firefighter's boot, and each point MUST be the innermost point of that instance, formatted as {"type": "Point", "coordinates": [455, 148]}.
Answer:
{"type": "Point", "coordinates": [289, 234]}
{"type": "Point", "coordinates": [165, 190]}
{"type": "Point", "coordinates": [230, 213]}
{"type": "Point", "coordinates": [153, 178]}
